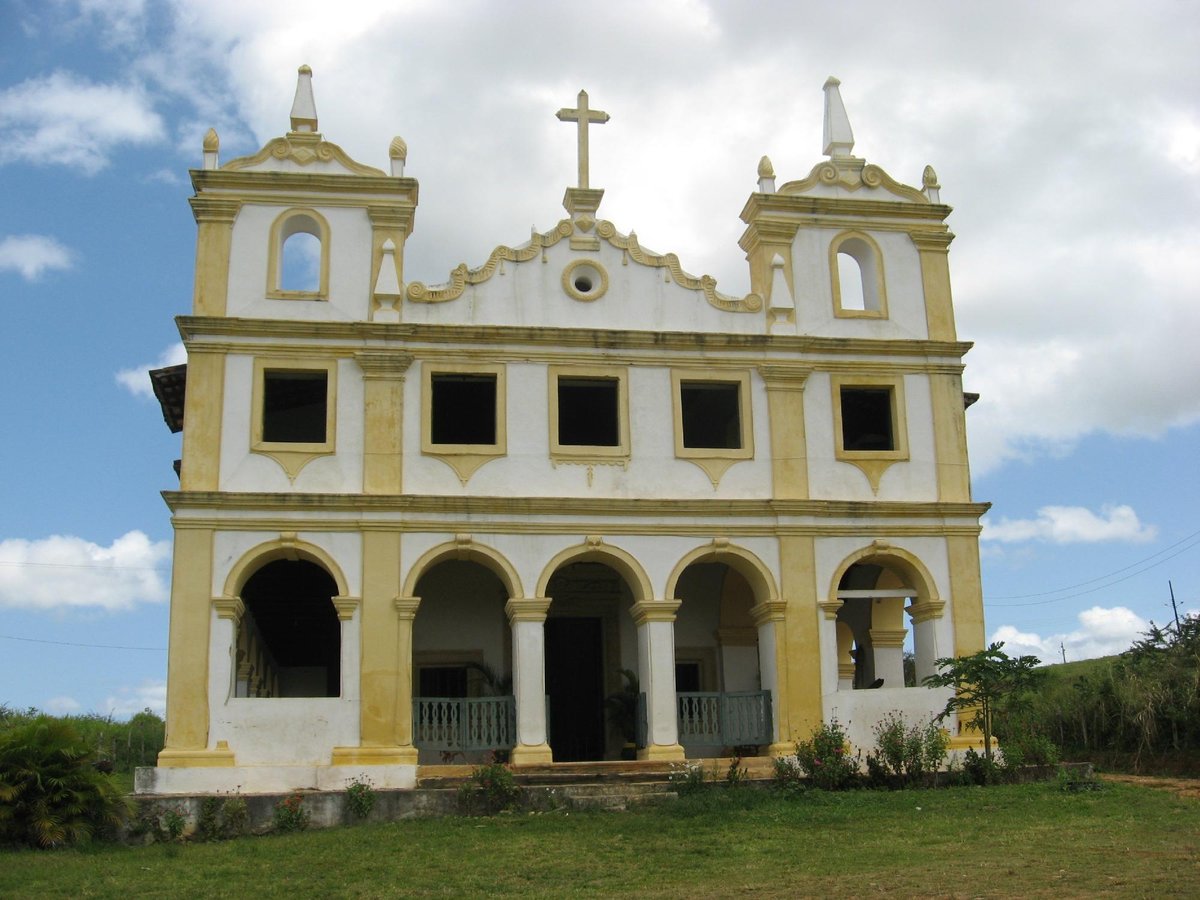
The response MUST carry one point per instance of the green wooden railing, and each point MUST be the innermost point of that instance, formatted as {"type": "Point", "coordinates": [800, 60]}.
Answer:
{"type": "Point", "coordinates": [733, 719]}
{"type": "Point", "coordinates": [465, 723]}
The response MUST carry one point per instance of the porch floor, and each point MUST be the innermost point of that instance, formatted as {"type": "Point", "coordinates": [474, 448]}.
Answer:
{"type": "Point", "coordinates": [758, 768]}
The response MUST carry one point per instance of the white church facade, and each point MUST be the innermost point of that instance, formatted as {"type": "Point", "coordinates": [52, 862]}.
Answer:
{"type": "Point", "coordinates": [574, 504]}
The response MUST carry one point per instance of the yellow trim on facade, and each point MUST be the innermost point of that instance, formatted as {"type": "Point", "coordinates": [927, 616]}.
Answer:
{"type": "Point", "coordinates": [187, 654]}
{"type": "Point", "coordinates": [756, 573]}
{"type": "Point", "coordinates": [464, 547]}
{"type": "Point", "coordinates": [861, 247]}
{"type": "Point", "coordinates": [293, 456]}
{"type": "Point", "coordinates": [785, 416]}
{"type": "Point", "coordinates": [933, 248]}
{"type": "Point", "coordinates": [464, 459]}
{"type": "Point", "coordinates": [797, 642]}
{"type": "Point", "coordinates": [288, 223]}
{"type": "Point", "coordinates": [201, 456]}
{"type": "Point", "coordinates": [585, 454]}
{"type": "Point", "coordinates": [383, 417]}
{"type": "Point", "coordinates": [713, 461]}
{"type": "Point", "coordinates": [873, 463]}
{"type": "Point", "coordinates": [594, 549]}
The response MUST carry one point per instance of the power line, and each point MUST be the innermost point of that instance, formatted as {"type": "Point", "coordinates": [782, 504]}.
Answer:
{"type": "Point", "coordinates": [1195, 537]}
{"type": "Point", "coordinates": [21, 562]}
{"type": "Point", "coordinates": [9, 637]}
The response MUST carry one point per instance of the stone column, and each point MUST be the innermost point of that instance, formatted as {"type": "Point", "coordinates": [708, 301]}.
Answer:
{"type": "Point", "coordinates": [768, 617]}
{"type": "Point", "coordinates": [888, 649]}
{"type": "Point", "coordinates": [527, 619]}
{"type": "Point", "coordinates": [655, 621]}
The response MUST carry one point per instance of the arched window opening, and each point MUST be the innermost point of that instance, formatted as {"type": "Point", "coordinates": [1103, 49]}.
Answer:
{"type": "Point", "coordinates": [875, 649]}
{"type": "Point", "coordinates": [850, 281]}
{"type": "Point", "coordinates": [290, 638]}
{"type": "Point", "coordinates": [301, 269]}
{"type": "Point", "coordinates": [858, 278]}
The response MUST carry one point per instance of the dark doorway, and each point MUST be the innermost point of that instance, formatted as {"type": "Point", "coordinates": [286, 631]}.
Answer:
{"type": "Point", "coordinates": [575, 683]}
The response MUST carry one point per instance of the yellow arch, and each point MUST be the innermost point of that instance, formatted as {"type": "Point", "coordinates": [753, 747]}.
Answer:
{"type": "Point", "coordinates": [593, 550]}
{"type": "Point", "coordinates": [742, 561]}
{"type": "Point", "coordinates": [490, 559]}
{"type": "Point", "coordinates": [298, 220]}
{"type": "Point", "coordinates": [899, 560]}
{"type": "Point", "coordinates": [281, 548]}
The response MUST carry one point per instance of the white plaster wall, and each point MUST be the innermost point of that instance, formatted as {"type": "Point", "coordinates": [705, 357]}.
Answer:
{"type": "Point", "coordinates": [285, 730]}
{"type": "Point", "coordinates": [813, 287]}
{"type": "Point", "coordinates": [832, 479]}
{"type": "Point", "coordinates": [345, 547]}
{"type": "Point", "coordinates": [243, 470]}
{"type": "Point", "coordinates": [349, 266]}
{"type": "Point", "coordinates": [859, 711]}
{"type": "Point", "coordinates": [527, 470]}
{"type": "Point", "coordinates": [639, 298]}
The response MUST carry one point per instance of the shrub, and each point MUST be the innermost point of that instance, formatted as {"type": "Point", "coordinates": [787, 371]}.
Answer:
{"type": "Point", "coordinates": [826, 758]}
{"type": "Point", "coordinates": [686, 777]}
{"type": "Point", "coordinates": [235, 816]}
{"type": "Point", "coordinates": [907, 751]}
{"type": "Point", "coordinates": [1029, 750]}
{"type": "Point", "coordinates": [788, 776]}
{"type": "Point", "coordinates": [360, 796]}
{"type": "Point", "coordinates": [737, 774]}
{"type": "Point", "coordinates": [290, 814]}
{"type": "Point", "coordinates": [980, 769]}
{"type": "Point", "coordinates": [50, 792]}
{"type": "Point", "coordinates": [494, 786]}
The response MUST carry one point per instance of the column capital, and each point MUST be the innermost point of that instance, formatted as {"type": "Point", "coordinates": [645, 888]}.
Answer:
{"type": "Point", "coordinates": [924, 610]}
{"type": "Point", "coordinates": [654, 611]}
{"type": "Point", "coordinates": [527, 609]}
{"type": "Point", "coordinates": [383, 365]}
{"type": "Point", "coordinates": [345, 607]}
{"type": "Point", "coordinates": [229, 608]}
{"type": "Point", "coordinates": [768, 611]}
{"type": "Point", "coordinates": [830, 607]}
{"type": "Point", "coordinates": [406, 607]}
{"type": "Point", "coordinates": [888, 637]}
{"type": "Point", "coordinates": [784, 377]}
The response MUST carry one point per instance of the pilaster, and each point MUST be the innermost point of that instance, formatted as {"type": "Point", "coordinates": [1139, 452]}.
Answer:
{"type": "Point", "coordinates": [785, 406]}
{"type": "Point", "coordinates": [383, 416]}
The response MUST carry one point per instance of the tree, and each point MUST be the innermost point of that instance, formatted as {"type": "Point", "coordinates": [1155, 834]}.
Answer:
{"type": "Point", "coordinates": [983, 681]}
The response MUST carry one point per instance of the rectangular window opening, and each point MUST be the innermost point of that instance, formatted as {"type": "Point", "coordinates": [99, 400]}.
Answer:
{"type": "Point", "coordinates": [295, 406]}
{"type": "Point", "coordinates": [464, 409]}
{"type": "Point", "coordinates": [589, 412]}
{"type": "Point", "coordinates": [867, 419]}
{"type": "Point", "coordinates": [711, 412]}
{"type": "Point", "coordinates": [687, 677]}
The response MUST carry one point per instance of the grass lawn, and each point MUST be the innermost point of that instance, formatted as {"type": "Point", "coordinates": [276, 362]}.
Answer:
{"type": "Point", "coordinates": [1020, 840]}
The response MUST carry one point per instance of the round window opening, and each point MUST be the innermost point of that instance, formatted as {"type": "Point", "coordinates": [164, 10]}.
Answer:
{"type": "Point", "coordinates": [585, 280]}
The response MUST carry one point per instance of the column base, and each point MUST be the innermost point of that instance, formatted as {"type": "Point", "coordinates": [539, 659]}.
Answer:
{"type": "Point", "coordinates": [663, 752]}
{"type": "Point", "coordinates": [531, 755]}
{"type": "Point", "coordinates": [374, 756]}
{"type": "Point", "coordinates": [218, 757]}
{"type": "Point", "coordinates": [969, 742]}
{"type": "Point", "coordinates": [782, 748]}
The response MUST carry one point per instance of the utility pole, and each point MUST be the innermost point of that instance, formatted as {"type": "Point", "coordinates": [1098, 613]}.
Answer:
{"type": "Point", "coordinates": [1174, 608]}
{"type": "Point", "coordinates": [1063, 650]}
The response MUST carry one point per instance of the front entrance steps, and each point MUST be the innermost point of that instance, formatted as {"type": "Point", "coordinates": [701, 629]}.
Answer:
{"type": "Point", "coordinates": [613, 785]}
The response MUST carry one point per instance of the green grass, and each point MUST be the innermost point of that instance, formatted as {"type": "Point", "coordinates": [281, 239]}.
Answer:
{"type": "Point", "coordinates": [1027, 840]}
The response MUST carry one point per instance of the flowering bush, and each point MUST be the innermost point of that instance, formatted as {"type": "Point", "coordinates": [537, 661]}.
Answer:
{"type": "Point", "coordinates": [360, 795]}
{"type": "Point", "coordinates": [290, 814]}
{"type": "Point", "coordinates": [907, 750]}
{"type": "Point", "coordinates": [686, 777]}
{"type": "Point", "coordinates": [826, 758]}
{"type": "Point", "coordinates": [494, 785]}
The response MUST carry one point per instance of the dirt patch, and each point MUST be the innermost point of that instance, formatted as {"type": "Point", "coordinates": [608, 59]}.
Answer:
{"type": "Point", "coordinates": [1183, 787]}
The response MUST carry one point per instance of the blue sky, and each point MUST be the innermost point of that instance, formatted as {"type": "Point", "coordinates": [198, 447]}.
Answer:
{"type": "Point", "coordinates": [1066, 136]}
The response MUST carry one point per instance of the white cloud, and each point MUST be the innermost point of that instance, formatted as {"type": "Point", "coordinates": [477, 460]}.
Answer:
{"type": "Point", "coordinates": [1102, 632]}
{"type": "Point", "coordinates": [129, 702]}
{"type": "Point", "coordinates": [1072, 525]}
{"type": "Point", "coordinates": [66, 572]}
{"type": "Point", "coordinates": [67, 120]}
{"type": "Point", "coordinates": [63, 706]}
{"type": "Point", "coordinates": [137, 379]}
{"type": "Point", "coordinates": [32, 254]}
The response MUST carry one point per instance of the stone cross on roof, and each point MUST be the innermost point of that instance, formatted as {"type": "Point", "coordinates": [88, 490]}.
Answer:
{"type": "Point", "coordinates": [584, 117]}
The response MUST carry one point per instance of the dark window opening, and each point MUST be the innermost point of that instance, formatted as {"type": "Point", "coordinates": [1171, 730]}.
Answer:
{"type": "Point", "coordinates": [711, 412]}
{"type": "Point", "coordinates": [464, 409]}
{"type": "Point", "coordinates": [442, 681]}
{"type": "Point", "coordinates": [294, 407]}
{"type": "Point", "coordinates": [290, 606]}
{"type": "Point", "coordinates": [589, 412]}
{"type": "Point", "coordinates": [867, 419]}
{"type": "Point", "coordinates": [687, 677]}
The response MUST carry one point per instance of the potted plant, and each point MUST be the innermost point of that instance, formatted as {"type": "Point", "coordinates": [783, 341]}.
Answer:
{"type": "Point", "coordinates": [622, 709]}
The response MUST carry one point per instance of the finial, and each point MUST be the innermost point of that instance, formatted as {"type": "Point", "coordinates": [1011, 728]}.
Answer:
{"type": "Point", "coordinates": [839, 138]}
{"type": "Point", "coordinates": [304, 109]}
{"type": "Point", "coordinates": [766, 176]}
{"type": "Point", "coordinates": [398, 152]}
{"type": "Point", "coordinates": [929, 181]}
{"type": "Point", "coordinates": [212, 146]}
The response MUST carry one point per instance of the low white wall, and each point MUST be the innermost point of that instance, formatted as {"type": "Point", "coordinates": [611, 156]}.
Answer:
{"type": "Point", "coordinates": [285, 731]}
{"type": "Point", "coordinates": [858, 711]}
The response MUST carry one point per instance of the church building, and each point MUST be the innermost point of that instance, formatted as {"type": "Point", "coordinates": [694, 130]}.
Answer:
{"type": "Point", "coordinates": [575, 503]}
